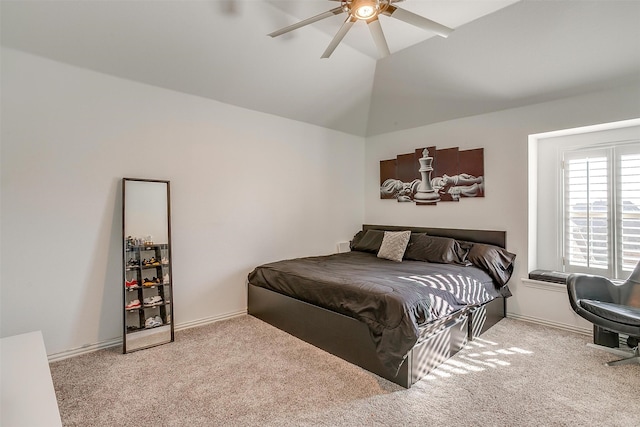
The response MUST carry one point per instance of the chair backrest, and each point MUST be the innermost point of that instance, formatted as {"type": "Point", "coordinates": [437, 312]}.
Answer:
{"type": "Point", "coordinates": [631, 289]}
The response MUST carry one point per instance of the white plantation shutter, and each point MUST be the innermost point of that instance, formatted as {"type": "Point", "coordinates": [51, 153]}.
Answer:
{"type": "Point", "coordinates": [628, 207]}
{"type": "Point", "coordinates": [586, 210]}
{"type": "Point", "coordinates": [602, 210]}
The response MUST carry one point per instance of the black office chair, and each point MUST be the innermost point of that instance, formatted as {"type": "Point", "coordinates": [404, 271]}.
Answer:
{"type": "Point", "coordinates": [612, 308]}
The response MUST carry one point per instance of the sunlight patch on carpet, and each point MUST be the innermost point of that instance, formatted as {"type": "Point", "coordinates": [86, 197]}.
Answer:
{"type": "Point", "coordinates": [476, 356]}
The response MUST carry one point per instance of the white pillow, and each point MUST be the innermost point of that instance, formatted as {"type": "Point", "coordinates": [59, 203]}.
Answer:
{"type": "Point", "coordinates": [394, 243]}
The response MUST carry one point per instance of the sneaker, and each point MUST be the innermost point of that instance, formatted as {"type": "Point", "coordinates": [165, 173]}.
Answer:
{"type": "Point", "coordinates": [154, 261]}
{"type": "Point", "coordinates": [131, 283]}
{"type": "Point", "coordinates": [133, 304]}
{"type": "Point", "coordinates": [148, 283]}
{"type": "Point", "coordinates": [165, 278]}
{"type": "Point", "coordinates": [152, 300]}
{"type": "Point", "coordinates": [152, 322]}
{"type": "Point", "coordinates": [132, 262]}
{"type": "Point", "coordinates": [165, 260]}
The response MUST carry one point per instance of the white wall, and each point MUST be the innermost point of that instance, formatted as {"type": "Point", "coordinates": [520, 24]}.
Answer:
{"type": "Point", "coordinates": [504, 137]}
{"type": "Point", "coordinates": [246, 188]}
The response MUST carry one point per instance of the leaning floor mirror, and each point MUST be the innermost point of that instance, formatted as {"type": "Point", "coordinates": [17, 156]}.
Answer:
{"type": "Point", "coordinates": [146, 280]}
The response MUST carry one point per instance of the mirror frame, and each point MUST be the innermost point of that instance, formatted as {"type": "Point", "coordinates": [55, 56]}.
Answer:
{"type": "Point", "coordinates": [171, 337]}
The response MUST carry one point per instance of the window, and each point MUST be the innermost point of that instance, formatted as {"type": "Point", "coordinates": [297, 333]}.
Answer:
{"type": "Point", "coordinates": [601, 206]}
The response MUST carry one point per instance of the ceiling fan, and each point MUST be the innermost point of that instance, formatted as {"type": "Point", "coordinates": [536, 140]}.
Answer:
{"type": "Point", "coordinates": [368, 11]}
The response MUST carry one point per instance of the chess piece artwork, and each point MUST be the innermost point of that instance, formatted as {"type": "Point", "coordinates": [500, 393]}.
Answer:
{"type": "Point", "coordinates": [428, 176]}
{"type": "Point", "coordinates": [425, 194]}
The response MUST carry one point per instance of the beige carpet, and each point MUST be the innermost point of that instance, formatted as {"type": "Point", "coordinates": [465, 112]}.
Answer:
{"type": "Point", "coordinates": [243, 372]}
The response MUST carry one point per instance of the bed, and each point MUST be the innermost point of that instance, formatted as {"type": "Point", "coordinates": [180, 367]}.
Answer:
{"type": "Point", "coordinates": [398, 320]}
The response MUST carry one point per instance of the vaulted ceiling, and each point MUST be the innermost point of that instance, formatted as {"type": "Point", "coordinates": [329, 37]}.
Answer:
{"type": "Point", "coordinates": [502, 54]}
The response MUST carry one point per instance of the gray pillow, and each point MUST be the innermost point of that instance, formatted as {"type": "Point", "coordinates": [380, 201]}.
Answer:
{"type": "Point", "coordinates": [442, 250]}
{"type": "Point", "coordinates": [367, 241]}
{"type": "Point", "coordinates": [496, 261]}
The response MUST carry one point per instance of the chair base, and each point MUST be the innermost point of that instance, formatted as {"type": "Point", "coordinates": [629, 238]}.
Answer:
{"type": "Point", "coordinates": [605, 338]}
{"type": "Point", "coordinates": [630, 357]}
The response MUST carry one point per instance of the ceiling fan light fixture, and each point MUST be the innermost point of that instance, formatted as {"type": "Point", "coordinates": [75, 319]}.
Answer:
{"type": "Point", "coordinates": [365, 9]}
{"type": "Point", "coordinates": [365, 12]}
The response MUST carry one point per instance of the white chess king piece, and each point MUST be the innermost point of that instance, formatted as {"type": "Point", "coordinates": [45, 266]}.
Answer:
{"type": "Point", "coordinates": [425, 194]}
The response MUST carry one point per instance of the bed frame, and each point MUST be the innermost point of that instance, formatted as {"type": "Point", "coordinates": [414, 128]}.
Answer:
{"type": "Point", "coordinates": [350, 339]}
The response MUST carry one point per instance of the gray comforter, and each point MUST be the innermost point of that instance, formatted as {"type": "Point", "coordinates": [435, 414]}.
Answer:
{"type": "Point", "coordinates": [393, 299]}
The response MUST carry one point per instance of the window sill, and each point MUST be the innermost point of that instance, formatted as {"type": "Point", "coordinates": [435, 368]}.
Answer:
{"type": "Point", "coordinates": [547, 286]}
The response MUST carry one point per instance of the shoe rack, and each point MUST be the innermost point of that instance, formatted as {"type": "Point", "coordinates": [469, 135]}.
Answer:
{"type": "Point", "coordinates": [147, 287]}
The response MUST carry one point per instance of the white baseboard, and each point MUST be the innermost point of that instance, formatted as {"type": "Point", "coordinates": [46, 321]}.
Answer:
{"type": "Point", "coordinates": [207, 320]}
{"type": "Point", "coordinates": [114, 342]}
{"type": "Point", "coordinates": [88, 348]}
{"type": "Point", "coordinates": [530, 319]}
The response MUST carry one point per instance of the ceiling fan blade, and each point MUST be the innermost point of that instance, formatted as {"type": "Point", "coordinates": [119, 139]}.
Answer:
{"type": "Point", "coordinates": [378, 37]}
{"type": "Point", "coordinates": [417, 20]}
{"type": "Point", "coordinates": [327, 14]}
{"type": "Point", "coordinates": [339, 36]}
